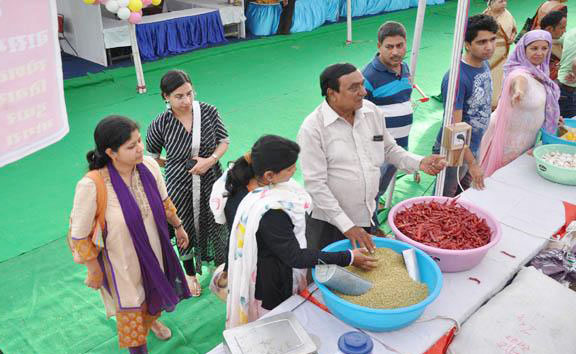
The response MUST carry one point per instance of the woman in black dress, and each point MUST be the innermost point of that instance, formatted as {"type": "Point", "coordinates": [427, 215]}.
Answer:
{"type": "Point", "coordinates": [265, 210]}
{"type": "Point", "coordinates": [194, 138]}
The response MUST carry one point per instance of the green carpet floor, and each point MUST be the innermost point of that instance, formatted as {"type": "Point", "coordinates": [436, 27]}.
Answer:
{"type": "Point", "coordinates": [261, 86]}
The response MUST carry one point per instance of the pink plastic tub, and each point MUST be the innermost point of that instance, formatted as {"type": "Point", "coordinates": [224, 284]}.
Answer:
{"type": "Point", "coordinates": [449, 260]}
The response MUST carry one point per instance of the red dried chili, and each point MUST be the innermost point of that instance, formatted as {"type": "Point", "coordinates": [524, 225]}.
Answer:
{"type": "Point", "coordinates": [443, 225]}
{"type": "Point", "coordinates": [474, 279]}
{"type": "Point", "coordinates": [508, 254]}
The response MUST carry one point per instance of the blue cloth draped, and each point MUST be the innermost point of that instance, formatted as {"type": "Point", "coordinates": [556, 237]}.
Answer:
{"type": "Point", "coordinates": [308, 15]}
{"type": "Point", "coordinates": [359, 7]}
{"type": "Point", "coordinates": [332, 10]}
{"type": "Point", "coordinates": [179, 35]}
{"type": "Point", "coordinates": [395, 5]}
{"type": "Point", "coordinates": [414, 3]}
{"type": "Point", "coordinates": [263, 19]}
{"type": "Point", "coordinates": [374, 7]}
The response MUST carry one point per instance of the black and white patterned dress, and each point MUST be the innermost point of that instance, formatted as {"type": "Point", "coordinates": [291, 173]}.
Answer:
{"type": "Point", "coordinates": [167, 132]}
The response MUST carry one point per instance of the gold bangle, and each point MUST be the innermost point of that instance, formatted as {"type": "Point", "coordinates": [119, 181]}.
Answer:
{"type": "Point", "coordinates": [95, 276]}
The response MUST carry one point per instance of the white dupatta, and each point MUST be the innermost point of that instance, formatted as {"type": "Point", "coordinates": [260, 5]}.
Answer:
{"type": "Point", "coordinates": [196, 137]}
{"type": "Point", "coordinates": [196, 180]}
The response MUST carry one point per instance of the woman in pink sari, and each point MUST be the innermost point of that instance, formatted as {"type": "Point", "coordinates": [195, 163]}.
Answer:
{"type": "Point", "coordinates": [529, 102]}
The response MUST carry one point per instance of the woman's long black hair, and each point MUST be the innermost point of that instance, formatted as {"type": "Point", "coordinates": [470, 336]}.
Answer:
{"type": "Point", "coordinates": [111, 132]}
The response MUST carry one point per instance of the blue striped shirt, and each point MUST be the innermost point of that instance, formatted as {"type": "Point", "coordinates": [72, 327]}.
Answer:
{"type": "Point", "coordinates": [391, 92]}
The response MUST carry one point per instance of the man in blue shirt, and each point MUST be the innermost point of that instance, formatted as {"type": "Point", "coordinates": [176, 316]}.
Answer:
{"type": "Point", "coordinates": [473, 100]}
{"type": "Point", "coordinates": [388, 85]}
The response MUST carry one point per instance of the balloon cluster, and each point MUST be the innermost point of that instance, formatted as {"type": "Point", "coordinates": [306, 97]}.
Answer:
{"type": "Point", "coordinates": [130, 10]}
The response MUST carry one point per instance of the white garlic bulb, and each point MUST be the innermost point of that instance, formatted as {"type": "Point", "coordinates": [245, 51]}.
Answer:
{"type": "Point", "coordinates": [560, 159]}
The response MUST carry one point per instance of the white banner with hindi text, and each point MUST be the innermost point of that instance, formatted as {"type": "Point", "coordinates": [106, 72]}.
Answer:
{"type": "Point", "coordinates": [32, 107]}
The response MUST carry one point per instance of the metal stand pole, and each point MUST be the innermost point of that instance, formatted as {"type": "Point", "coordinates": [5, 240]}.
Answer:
{"type": "Point", "coordinates": [457, 45]}
{"type": "Point", "coordinates": [137, 62]}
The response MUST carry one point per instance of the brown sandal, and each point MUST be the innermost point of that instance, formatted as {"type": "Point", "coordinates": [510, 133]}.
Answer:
{"type": "Point", "coordinates": [161, 331]}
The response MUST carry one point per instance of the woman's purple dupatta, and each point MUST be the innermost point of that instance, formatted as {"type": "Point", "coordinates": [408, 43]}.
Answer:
{"type": "Point", "coordinates": [163, 289]}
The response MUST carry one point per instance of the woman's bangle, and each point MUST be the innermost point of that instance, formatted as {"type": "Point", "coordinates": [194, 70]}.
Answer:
{"type": "Point", "coordinates": [178, 226]}
{"type": "Point", "coordinates": [95, 276]}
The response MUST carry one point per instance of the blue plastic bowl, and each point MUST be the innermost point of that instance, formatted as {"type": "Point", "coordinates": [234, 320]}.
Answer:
{"type": "Point", "coordinates": [552, 139]}
{"type": "Point", "coordinates": [379, 320]}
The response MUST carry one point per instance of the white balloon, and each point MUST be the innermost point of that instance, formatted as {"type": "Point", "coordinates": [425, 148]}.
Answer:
{"type": "Point", "coordinates": [123, 13]}
{"type": "Point", "coordinates": [112, 6]}
{"type": "Point", "coordinates": [123, 3]}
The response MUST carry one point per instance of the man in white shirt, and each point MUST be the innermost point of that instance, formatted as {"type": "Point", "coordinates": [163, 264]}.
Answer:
{"type": "Point", "coordinates": [344, 142]}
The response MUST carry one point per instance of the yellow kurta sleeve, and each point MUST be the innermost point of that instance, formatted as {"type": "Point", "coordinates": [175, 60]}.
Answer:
{"type": "Point", "coordinates": [170, 208]}
{"type": "Point", "coordinates": [82, 221]}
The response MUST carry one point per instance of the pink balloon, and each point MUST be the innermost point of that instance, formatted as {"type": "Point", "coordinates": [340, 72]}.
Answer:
{"type": "Point", "coordinates": [103, 2]}
{"type": "Point", "coordinates": [146, 2]}
{"type": "Point", "coordinates": [135, 17]}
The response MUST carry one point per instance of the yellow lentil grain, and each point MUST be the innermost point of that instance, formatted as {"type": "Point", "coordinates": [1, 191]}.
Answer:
{"type": "Point", "coordinates": [393, 287]}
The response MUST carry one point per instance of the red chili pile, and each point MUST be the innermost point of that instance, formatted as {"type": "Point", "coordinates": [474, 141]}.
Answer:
{"type": "Point", "coordinates": [443, 225]}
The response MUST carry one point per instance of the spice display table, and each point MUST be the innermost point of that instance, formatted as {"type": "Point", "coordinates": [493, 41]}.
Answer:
{"type": "Point", "coordinates": [529, 209]}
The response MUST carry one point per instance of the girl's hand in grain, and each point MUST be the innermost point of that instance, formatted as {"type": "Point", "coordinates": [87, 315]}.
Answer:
{"type": "Point", "coordinates": [363, 259]}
